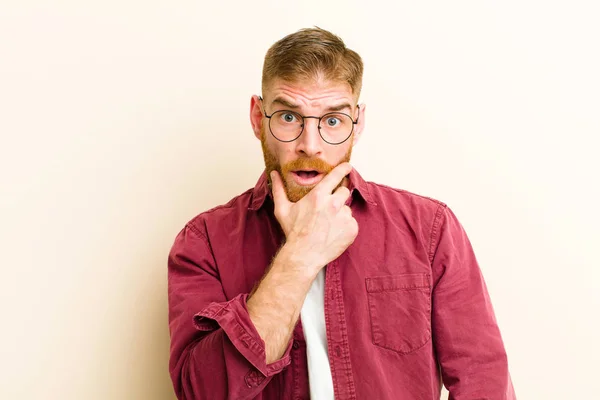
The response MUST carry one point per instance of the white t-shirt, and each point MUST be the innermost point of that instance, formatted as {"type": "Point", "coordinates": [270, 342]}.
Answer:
{"type": "Point", "coordinates": [315, 334]}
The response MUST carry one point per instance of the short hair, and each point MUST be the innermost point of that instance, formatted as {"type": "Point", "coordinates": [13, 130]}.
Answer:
{"type": "Point", "coordinates": [313, 53]}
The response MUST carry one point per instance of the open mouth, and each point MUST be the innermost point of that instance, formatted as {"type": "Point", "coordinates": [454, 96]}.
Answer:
{"type": "Point", "coordinates": [307, 174]}
{"type": "Point", "coordinates": [307, 177]}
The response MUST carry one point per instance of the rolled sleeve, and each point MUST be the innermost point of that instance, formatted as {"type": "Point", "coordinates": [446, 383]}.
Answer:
{"type": "Point", "coordinates": [216, 352]}
{"type": "Point", "coordinates": [232, 316]}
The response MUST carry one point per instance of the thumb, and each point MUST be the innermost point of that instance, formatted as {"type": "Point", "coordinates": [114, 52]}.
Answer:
{"type": "Point", "coordinates": [279, 196]}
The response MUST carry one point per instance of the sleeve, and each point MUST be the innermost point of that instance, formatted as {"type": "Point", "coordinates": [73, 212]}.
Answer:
{"type": "Point", "coordinates": [216, 352]}
{"type": "Point", "coordinates": [466, 336]}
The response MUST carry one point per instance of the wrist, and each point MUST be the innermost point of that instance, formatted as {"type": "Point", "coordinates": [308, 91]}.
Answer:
{"type": "Point", "coordinates": [293, 258]}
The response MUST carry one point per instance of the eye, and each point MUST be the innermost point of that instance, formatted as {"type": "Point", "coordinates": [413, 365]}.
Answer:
{"type": "Point", "coordinates": [333, 121]}
{"type": "Point", "coordinates": [288, 117]}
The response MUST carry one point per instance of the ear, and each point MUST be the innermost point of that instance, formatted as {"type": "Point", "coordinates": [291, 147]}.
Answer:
{"type": "Point", "coordinates": [360, 125]}
{"type": "Point", "coordinates": [256, 115]}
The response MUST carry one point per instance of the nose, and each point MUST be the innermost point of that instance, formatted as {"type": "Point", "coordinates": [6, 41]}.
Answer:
{"type": "Point", "coordinates": [309, 144]}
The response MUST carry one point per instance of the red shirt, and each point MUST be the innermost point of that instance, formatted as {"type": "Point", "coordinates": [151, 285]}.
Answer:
{"type": "Point", "coordinates": [406, 305]}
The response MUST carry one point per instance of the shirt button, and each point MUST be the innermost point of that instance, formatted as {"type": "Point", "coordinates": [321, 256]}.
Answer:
{"type": "Point", "coordinates": [295, 345]}
{"type": "Point", "coordinates": [338, 351]}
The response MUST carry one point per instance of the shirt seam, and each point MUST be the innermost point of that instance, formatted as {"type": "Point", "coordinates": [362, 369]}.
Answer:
{"type": "Point", "coordinates": [434, 236]}
{"type": "Point", "coordinates": [407, 192]}
{"type": "Point", "coordinates": [198, 232]}
{"type": "Point", "coordinates": [230, 205]}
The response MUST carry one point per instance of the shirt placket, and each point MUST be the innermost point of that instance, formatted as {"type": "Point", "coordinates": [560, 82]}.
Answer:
{"type": "Point", "coordinates": [337, 335]}
{"type": "Point", "coordinates": [300, 388]}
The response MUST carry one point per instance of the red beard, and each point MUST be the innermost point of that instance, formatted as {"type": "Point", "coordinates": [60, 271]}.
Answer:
{"type": "Point", "coordinates": [294, 191]}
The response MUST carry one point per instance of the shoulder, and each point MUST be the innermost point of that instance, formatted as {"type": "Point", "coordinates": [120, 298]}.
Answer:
{"type": "Point", "coordinates": [425, 216]}
{"type": "Point", "coordinates": [422, 213]}
{"type": "Point", "coordinates": [395, 197]}
{"type": "Point", "coordinates": [221, 214]}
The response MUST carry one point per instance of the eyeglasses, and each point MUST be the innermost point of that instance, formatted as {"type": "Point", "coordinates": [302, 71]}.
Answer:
{"type": "Point", "coordinates": [334, 127]}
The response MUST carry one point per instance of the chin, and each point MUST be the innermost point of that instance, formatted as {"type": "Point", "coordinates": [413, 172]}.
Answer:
{"type": "Point", "coordinates": [296, 192]}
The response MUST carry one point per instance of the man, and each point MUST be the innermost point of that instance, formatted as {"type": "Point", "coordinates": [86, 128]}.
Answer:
{"type": "Point", "coordinates": [317, 284]}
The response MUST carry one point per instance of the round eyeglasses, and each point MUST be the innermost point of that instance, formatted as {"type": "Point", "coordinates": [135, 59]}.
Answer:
{"type": "Point", "coordinates": [287, 126]}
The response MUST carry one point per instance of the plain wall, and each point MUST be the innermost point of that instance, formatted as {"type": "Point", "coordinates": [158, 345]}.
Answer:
{"type": "Point", "coordinates": [121, 120]}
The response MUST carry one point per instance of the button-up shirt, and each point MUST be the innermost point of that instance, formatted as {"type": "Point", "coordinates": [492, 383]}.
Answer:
{"type": "Point", "coordinates": [406, 306]}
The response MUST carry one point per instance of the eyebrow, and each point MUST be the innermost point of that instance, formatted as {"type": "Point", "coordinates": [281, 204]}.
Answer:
{"type": "Point", "coordinates": [285, 103]}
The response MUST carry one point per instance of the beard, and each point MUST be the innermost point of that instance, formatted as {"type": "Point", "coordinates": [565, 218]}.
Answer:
{"type": "Point", "coordinates": [294, 191]}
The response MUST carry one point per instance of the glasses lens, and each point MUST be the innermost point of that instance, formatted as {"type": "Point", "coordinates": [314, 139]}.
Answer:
{"type": "Point", "coordinates": [286, 125]}
{"type": "Point", "coordinates": [336, 127]}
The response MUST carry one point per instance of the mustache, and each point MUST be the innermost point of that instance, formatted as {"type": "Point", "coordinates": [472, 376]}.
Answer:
{"type": "Point", "coordinates": [315, 164]}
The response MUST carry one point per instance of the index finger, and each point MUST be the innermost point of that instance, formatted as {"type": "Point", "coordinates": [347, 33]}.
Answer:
{"type": "Point", "coordinates": [334, 177]}
{"type": "Point", "coordinates": [279, 196]}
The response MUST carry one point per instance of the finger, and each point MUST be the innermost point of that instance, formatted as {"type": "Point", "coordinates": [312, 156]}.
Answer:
{"type": "Point", "coordinates": [279, 196]}
{"type": "Point", "coordinates": [334, 177]}
{"type": "Point", "coordinates": [340, 196]}
{"type": "Point", "coordinates": [347, 210]}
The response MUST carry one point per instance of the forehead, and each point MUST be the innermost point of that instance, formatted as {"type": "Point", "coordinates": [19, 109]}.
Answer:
{"type": "Point", "coordinates": [310, 94]}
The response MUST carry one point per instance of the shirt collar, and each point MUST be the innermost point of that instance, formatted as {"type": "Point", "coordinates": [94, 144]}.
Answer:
{"type": "Point", "coordinates": [262, 190]}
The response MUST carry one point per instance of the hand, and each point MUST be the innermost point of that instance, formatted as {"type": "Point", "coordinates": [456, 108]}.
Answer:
{"type": "Point", "coordinates": [319, 227]}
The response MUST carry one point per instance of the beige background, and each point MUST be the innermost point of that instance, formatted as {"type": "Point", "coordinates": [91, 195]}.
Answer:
{"type": "Point", "coordinates": [121, 120]}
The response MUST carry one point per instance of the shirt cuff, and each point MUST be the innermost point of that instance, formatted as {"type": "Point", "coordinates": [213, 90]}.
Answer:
{"type": "Point", "coordinates": [232, 316]}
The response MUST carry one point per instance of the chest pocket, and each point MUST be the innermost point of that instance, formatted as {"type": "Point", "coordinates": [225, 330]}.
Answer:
{"type": "Point", "coordinates": [400, 311]}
